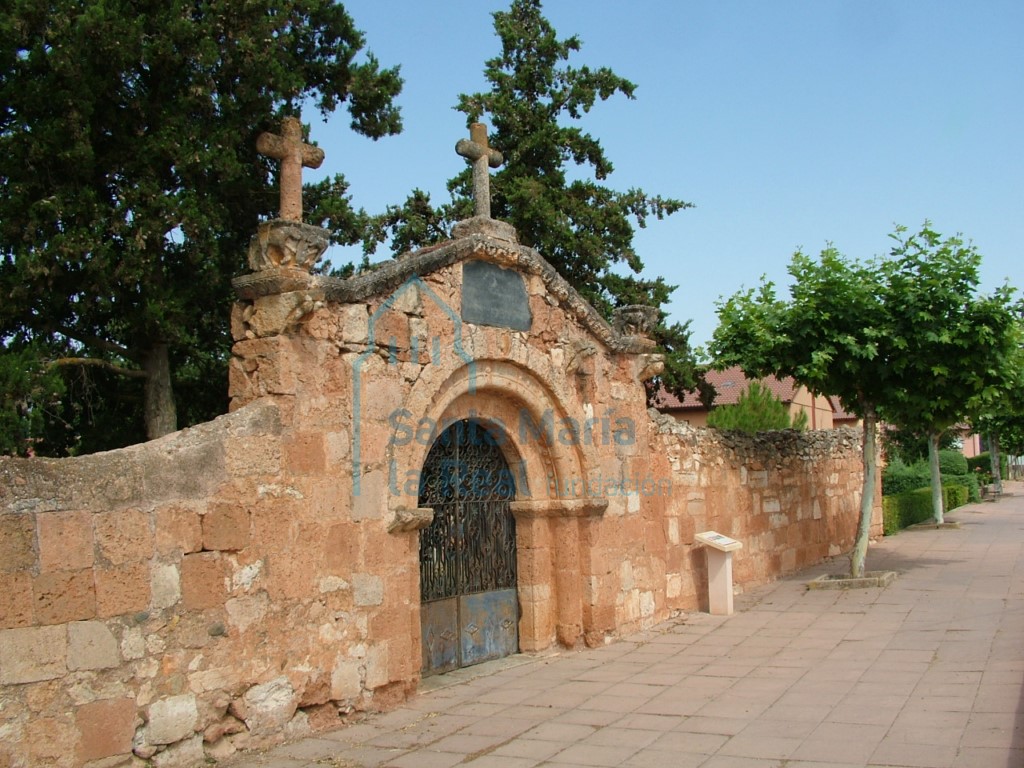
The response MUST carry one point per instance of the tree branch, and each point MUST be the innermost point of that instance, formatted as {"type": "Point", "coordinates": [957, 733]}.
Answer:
{"type": "Point", "coordinates": [93, 362]}
{"type": "Point", "coordinates": [98, 342]}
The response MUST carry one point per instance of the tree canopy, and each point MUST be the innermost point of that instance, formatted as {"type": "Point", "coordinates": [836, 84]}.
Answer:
{"type": "Point", "coordinates": [952, 349]}
{"type": "Point", "coordinates": [1000, 415]}
{"type": "Point", "coordinates": [131, 184]}
{"type": "Point", "coordinates": [551, 187]}
{"type": "Point", "coordinates": [905, 338]}
{"type": "Point", "coordinates": [829, 337]}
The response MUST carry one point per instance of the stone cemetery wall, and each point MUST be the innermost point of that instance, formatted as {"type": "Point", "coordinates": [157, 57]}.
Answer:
{"type": "Point", "coordinates": [792, 499]}
{"type": "Point", "coordinates": [257, 577]}
{"type": "Point", "coordinates": [201, 590]}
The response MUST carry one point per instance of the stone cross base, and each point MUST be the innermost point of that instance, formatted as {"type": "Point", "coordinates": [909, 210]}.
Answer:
{"type": "Point", "coordinates": [280, 243]}
{"type": "Point", "coordinates": [485, 225]}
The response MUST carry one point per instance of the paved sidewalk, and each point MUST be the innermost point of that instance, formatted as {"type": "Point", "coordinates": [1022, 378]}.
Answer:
{"type": "Point", "coordinates": [926, 672]}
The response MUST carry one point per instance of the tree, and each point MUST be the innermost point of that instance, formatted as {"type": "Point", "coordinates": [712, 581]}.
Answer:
{"type": "Point", "coordinates": [756, 410]}
{"type": "Point", "coordinates": [1000, 416]}
{"type": "Point", "coordinates": [130, 180]}
{"type": "Point", "coordinates": [550, 187]}
{"type": "Point", "coordinates": [830, 337]}
{"type": "Point", "coordinates": [952, 349]}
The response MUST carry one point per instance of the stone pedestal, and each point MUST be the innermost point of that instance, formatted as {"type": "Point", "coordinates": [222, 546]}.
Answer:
{"type": "Point", "coordinates": [719, 549]}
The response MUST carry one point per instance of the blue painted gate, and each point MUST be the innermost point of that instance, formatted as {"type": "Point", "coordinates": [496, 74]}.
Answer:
{"type": "Point", "coordinates": [469, 607]}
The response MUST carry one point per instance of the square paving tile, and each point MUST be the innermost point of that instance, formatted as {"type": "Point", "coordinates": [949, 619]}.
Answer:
{"type": "Point", "coordinates": [896, 752]}
{"type": "Point", "coordinates": [593, 755]}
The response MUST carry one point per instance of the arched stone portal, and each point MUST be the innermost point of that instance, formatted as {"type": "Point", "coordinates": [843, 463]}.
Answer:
{"type": "Point", "coordinates": [469, 609]}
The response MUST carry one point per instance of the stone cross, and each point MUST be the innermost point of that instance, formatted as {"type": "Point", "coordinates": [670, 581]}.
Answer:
{"type": "Point", "coordinates": [476, 151]}
{"type": "Point", "coordinates": [293, 154]}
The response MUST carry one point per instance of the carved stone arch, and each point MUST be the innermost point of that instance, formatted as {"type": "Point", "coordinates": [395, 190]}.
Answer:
{"type": "Point", "coordinates": [516, 403]}
{"type": "Point", "coordinates": [551, 550]}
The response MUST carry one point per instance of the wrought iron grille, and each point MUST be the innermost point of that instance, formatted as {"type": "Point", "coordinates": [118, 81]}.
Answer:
{"type": "Point", "coordinates": [471, 545]}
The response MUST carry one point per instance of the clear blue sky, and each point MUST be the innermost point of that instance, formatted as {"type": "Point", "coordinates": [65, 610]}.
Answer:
{"type": "Point", "coordinates": [788, 124]}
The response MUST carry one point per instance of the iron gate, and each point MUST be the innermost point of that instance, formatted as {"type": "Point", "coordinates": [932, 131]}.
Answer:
{"type": "Point", "coordinates": [469, 607]}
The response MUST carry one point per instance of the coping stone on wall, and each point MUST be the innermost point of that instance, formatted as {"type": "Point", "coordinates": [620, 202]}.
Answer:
{"type": "Point", "coordinates": [182, 465]}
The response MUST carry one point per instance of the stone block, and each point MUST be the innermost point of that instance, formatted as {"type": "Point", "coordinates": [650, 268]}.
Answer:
{"type": "Point", "coordinates": [133, 644]}
{"type": "Point", "coordinates": [124, 536]}
{"type": "Point", "coordinates": [203, 580]}
{"type": "Point", "coordinates": [65, 541]}
{"type": "Point", "coordinates": [91, 645]}
{"type": "Point", "coordinates": [31, 655]}
{"type": "Point", "coordinates": [354, 324]}
{"type": "Point", "coordinates": [391, 329]}
{"type": "Point", "coordinates": [341, 548]}
{"type": "Point", "coordinates": [64, 596]}
{"type": "Point", "coordinates": [185, 754]}
{"type": "Point", "coordinates": [368, 504]}
{"type": "Point", "coordinates": [17, 542]}
{"type": "Point", "coordinates": [367, 589]}
{"type": "Point", "coordinates": [172, 719]}
{"type": "Point", "coordinates": [244, 612]}
{"type": "Point", "coordinates": [122, 589]}
{"type": "Point", "coordinates": [226, 527]}
{"type": "Point", "coordinates": [178, 530]}
{"type": "Point", "coordinates": [106, 728]}
{"type": "Point", "coordinates": [49, 740]}
{"type": "Point", "coordinates": [291, 574]}
{"type": "Point", "coordinates": [377, 666]}
{"type": "Point", "coordinates": [165, 585]}
{"type": "Point", "coordinates": [346, 681]}
{"type": "Point", "coordinates": [305, 454]}
{"type": "Point", "coordinates": [269, 706]}
{"type": "Point", "coordinates": [15, 600]}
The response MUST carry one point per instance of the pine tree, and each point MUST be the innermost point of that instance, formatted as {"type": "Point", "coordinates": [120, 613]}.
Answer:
{"type": "Point", "coordinates": [756, 410]}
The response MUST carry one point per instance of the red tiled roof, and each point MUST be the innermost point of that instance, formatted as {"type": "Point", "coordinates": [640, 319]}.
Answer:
{"type": "Point", "coordinates": [728, 386]}
{"type": "Point", "coordinates": [839, 413]}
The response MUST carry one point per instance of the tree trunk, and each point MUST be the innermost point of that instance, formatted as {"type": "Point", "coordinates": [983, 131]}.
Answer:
{"type": "Point", "coordinates": [867, 496]}
{"type": "Point", "coordinates": [161, 414]}
{"type": "Point", "coordinates": [997, 471]}
{"type": "Point", "coordinates": [936, 475]}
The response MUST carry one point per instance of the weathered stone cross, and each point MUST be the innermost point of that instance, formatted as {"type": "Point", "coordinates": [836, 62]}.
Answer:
{"type": "Point", "coordinates": [293, 154]}
{"type": "Point", "coordinates": [476, 151]}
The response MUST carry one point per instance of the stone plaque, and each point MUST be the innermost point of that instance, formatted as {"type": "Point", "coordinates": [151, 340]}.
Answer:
{"type": "Point", "coordinates": [494, 296]}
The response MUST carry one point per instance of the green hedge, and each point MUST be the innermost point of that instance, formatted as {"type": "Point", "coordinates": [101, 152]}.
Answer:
{"type": "Point", "coordinates": [970, 482]}
{"type": "Point", "coordinates": [910, 507]}
{"type": "Point", "coordinates": [982, 465]}
{"type": "Point", "coordinates": [898, 477]}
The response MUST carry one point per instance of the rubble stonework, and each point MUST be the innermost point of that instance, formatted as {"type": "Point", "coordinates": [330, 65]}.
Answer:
{"type": "Point", "coordinates": [256, 578]}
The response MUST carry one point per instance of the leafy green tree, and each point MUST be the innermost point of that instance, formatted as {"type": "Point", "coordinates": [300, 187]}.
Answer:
{"type": "Point", "coordinates": [131, 184]}
{"type": "Point", "coordinates": [551, 186]}
{"type": "Point", "coordinates": [829, 336]}
{"type": "Point", "coordinates": [1001, 416]}
{"type": "Point", "coordinates": [756, 410]}
{"type": "Point", "coordinates": [952, 349]}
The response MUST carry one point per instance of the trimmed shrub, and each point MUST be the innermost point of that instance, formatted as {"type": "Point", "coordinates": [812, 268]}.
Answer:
{"type": "Point", "coordinates": [969, 482]}
{"type": "Point", "coordinates": [952, 463]}
{"type": "Point", "coordinates": [899, 477]}
{"type": "Point", "coordinates": [955, 496]}
{"type": "Point", "coordinates": [910, 507]}
{"type": "Point", "coordinates": [907, 508]}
